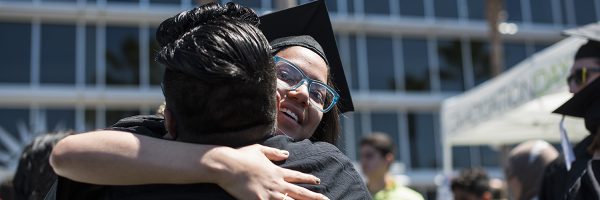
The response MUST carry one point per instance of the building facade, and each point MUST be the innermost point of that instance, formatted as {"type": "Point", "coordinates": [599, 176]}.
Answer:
{"type": "Point", "coordinates": [84, 64]}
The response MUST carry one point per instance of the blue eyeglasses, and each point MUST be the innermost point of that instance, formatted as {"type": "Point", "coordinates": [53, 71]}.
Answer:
{"type": "Point", "coordinates": [290, 77]}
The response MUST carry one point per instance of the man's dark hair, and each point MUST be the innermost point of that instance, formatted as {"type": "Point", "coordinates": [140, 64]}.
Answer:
{"type": "Point", "coordinates": [34, 175]}
{"type": "Point", "coordinates": [474, 181]}
{"type": "Point", "coordinates": [219, 77]}
{"type": "Point", "coordinates": [380, 141]}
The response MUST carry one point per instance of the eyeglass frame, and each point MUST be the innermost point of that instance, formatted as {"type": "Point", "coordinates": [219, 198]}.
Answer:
{"type": "Point", "coordinates": [584, 74]}
{"type": "Point", "coordinates": [309, 81]}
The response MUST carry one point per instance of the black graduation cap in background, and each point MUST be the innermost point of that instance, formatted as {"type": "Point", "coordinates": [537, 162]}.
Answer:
{"type": "Point", "coordinates": [311, 19]}
{"type": "Point", "coordinates": [582, 101]}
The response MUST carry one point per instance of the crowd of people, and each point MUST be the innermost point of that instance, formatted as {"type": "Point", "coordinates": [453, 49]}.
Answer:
{"type": "Point", "coordinates": [252, 107]}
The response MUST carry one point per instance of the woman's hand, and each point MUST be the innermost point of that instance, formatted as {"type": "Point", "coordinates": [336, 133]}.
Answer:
{"type": "Point", "coordinates": [247, 173]}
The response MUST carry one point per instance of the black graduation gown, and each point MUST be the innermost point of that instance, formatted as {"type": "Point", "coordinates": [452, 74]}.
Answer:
{"type": "Point", "coordinates": [586, 187]}
{"type": "Point", "coordinates": [557, 181]}
{"type": "Point", "coordinates": [339, 179]}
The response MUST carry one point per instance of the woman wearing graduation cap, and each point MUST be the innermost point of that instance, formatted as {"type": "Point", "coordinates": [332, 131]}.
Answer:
{"type": "Point", "coordinates": [308, 67]}
{"type": "Point", "coordinates": [584, 175]}
{"type": "Point", "coordinates": [565, 179]}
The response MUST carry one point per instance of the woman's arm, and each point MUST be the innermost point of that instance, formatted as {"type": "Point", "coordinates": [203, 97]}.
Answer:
{"type": "Point", "coordinates": [122, 158]}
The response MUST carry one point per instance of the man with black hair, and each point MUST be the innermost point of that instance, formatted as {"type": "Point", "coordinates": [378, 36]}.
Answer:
{"type": "Point", "coordinates": [471, 184]}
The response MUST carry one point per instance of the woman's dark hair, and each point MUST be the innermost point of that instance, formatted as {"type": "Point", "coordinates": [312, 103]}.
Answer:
{"type": "Point", "coordinates": [330, 127]}
{"type": "Point", "coordinates": [474, 181]}
{"type": "Point", "coordinates": [220, 75]}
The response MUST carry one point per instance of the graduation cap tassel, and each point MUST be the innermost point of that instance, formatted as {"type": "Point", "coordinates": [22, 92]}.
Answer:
{"type": "Point", "coordinates": [566, 144]}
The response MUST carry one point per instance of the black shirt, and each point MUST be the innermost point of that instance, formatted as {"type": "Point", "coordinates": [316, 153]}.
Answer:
{"type": "Point", "coordinates": [339, 179]}
{"type": "Point", "coordinates": [586, 187]}
{"type": "Point", "coordinates": [557, 180]}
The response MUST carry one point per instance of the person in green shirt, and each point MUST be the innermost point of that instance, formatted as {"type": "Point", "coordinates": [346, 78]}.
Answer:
{"type": "Point", "coordinates": [376, 157]}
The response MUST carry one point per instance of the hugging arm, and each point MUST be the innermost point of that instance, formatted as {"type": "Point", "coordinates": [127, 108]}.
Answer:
{"type": "Point", "coordinates": [121, 158]}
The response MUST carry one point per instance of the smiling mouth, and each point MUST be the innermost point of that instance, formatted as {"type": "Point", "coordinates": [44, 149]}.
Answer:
{"type": "Point", "coordinates": [290, 114]}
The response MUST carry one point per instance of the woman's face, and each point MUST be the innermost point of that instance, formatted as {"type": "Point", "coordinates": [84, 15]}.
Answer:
{"type": "Point", "coordinates": [584, 63]}
{"type": "Point", "coordinates": [296, 103]}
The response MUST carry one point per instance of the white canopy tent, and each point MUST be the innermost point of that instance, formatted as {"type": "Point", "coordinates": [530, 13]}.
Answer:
{"type": "Point", "coordinates": [515, 106]}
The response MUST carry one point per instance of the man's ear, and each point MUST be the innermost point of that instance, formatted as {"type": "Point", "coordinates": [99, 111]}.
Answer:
{"type": "Point", "coordinates": [170, 123]}
{"type": "Point", "coordinates": [389, 159]}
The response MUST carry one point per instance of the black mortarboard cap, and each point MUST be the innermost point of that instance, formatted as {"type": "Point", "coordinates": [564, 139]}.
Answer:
{"type": "Point", "coordinates": [584, 104]}
{"type": "Point", "coordinates": [311, 19]}
{"type": "Point", "coordinates": [591, 32]}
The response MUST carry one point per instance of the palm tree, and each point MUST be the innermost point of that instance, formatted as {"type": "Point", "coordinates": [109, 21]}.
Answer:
{"type": "Point", "coordinates": [494, 15]}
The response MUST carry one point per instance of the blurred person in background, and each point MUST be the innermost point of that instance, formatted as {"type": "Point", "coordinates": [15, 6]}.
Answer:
{"type": "Point", "coordinates": [584, 177]}
{"type": "Point", "coordinates": [34, 175]}
{"type": "Point", "coordinates": [525, 167]}
{"type": "Point", "coordinates": [376, 157]}
{"type": "Point", "coordinates": [585, 71]}
{"type": "Point", "coordinates": [471, 184]}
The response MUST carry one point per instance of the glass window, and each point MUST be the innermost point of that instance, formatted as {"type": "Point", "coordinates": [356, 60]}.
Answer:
{"type": "Point", "coordinates": [351, 7]}
{"type": "Point", "coordinates": [461, 157]}
{"type": "Point", "coordinates": [114, 115]}
{"type": "Point", "coordinates": [380, 63]}
{"type": "Point", "coordinates": [59, 0]}
{"type": "Point", "coordinates": [381, 7]}
{"type": "Point", "coordinates": [165, 2]}
{"type": "Point", "coordinates": [122, 1]}
{"type": "Point", "coordinates": [446, 8]}
{"type": "Point", "coordinates": [476, 9]}
{"type": "Point", "coordinates": [57, 57]}
{"type": "Point", "coordinates": [10, 119]}
{"type": "Point", "coordinates": [412, 8]}
{"type": "Point", "coordinates": [422, 140]}
{"type": "Point", "coordinates": [356, 118]}
{"type": "Point", "coordinates": [90, 120]}
{"type": "Point", "coordinates": [480, 55]}
{"type": "Point", "coordinates": [416, 64]}
{"type": "Point", "coordinates": [450, 61]}
{"type": "Point", "coordinates": [255, 4]}
{"type": "Point", "coordinates": [541, 11]}
{"type": "Point", "coordinates": [513, 54]}
{"type": "Point", "coordinates": [90, 55]}
{"type": "Point", "coordinates": [353, 65]}
{"type": "Point", "coordinates": [537, 47]}
{"type": "Point", "coordinates": [585, 12]}
{"type": "Point", "coordinates": [15, 52]}
{"type": "Point", "coordinates": [489, 157]}
{"type": "Point", "coordinates": [513, 10]}
{"type": "Point", "coordinates": [156, 69]}
{"type": "Point", "coordinates": [60, 119]}
{"type": "Point", "coordinates": [122, 56]}
{"type": "Point", "coordinates": [388, 124]}
{"type": "Point", "coordinates": [332, 6]}
{"type": "Point", "coordinates": [564, 12]}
